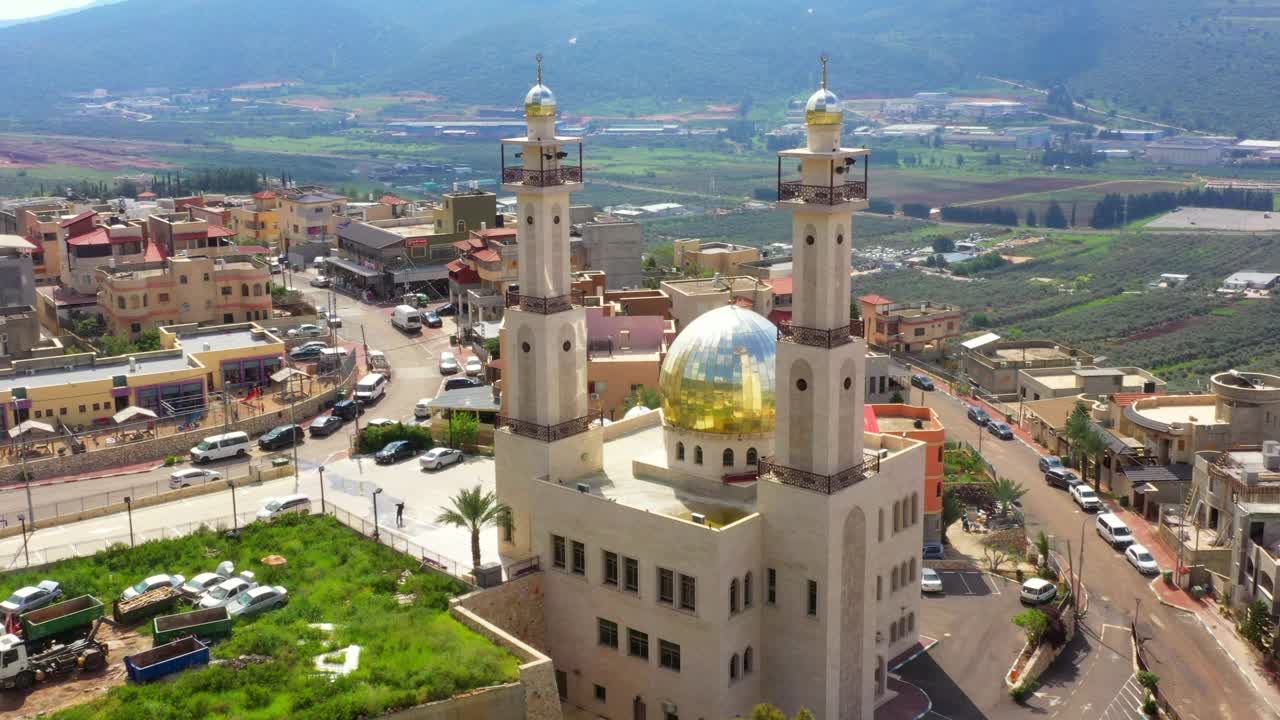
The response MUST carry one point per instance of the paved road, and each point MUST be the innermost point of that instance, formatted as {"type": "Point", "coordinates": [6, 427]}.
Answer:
{"type": "Point", "coordinates": [1200, 679]}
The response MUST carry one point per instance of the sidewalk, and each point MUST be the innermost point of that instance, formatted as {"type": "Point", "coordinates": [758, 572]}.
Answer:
{"type": "Point", "coordinates": [133, 469]}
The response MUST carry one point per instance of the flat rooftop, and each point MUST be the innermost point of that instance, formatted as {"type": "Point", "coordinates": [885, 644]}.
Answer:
{"type": "Point", "coordinates": [901, 424]}
{"type": "Point", "coordinates": [1201, 414]}
{"type": "Point", "coordinates": [408, 231]}
{"type": "Point", "coordinates": [1029, 354]}
{"type": "Point", "coordinates": [712, 285]}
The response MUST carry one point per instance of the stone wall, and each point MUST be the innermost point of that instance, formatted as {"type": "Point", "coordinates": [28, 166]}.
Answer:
{"type": "Point", "coordinates": [520, 603]}
{"type": "Point", "coordinates": [1042, 657]}
{"type": "Point", "coordinates": [500, 702]}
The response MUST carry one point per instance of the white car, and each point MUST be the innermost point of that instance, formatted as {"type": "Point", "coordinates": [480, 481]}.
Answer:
{"type": "Point", "coordinates": [1139, 557]}
{"type": "Point", "coordinates": [448, 363]}
{"type": "Point", "coordinates": [259, 599]}
{"type": "Point", "coordinates": [192, 476]}
{"type": "Point", "coordinates": [1085, 497]}
{"type": "Point", "coordinates": [473, 366]}
{"type": "Point", "coordinates": [1038, 591]}
{"type": "Point", "coordinates": [29, 598]}
{"type": "Point", "coordinates": [422, 409]}
{"type": "Point", "coordinates": [437, 458]}
{"type": "Point", "coordinates": [151, 583]}
{"type": "Point", "coordinates": [225, 592]}
{"type": "Point", "coordinates": [381, 422]}
{"type": "Point", "coordinates": [321, 281]}
{"type": "Point", "coordinates": [930, 582]}
{"type": "Point", "coordinates": [309, 330]}
{"type": "Point", "coordinates": [202, 583]}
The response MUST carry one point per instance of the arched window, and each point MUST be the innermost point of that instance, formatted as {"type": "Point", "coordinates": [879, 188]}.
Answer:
{"type": "Point", "coordinates": [462, 226]}
{"type": "Point", "coordinates": [748, 660]}
{"type": "Point", "coordinates": [182, 279]}
{"type": "Point", "coordinates": [752, 456]}
{"type": "Point", "coordinates": [893, 580]}
{"type": "Point", "coordinates": [697, 454]}
{"type": "Point", "coordinates": [897, 516]}
{"type": "Point", "coordinates": [733, 667]}
{"type": "Point", "coordinates": [728, 457]}
{"type": "Point", "coordinates": [902, 627]}
{"type": "Point", "coordinates": [903, 577]}
{"type": "Point", "coordinates": [915, 508]}
{"type": "Point", "coordinates": [911, 622]}
{"type": "Point", "coordinates": [893, 632]}
{"type": "Point", "coordinates": [257, 290]}
{"type": "Point", "coordinates": [880, 524]}
{"type": "Point", "coordinates": [733, 596]}
{"type": "Point", "coordinates": [680, 451]}
{"type": "Point", "coordinates": [879, 588]}
{"type": "Point", "coordinates": [911, 570]}
{"type": "Point", "coordinates": [244, 290]}
{"type": "Point", "coordinates": [746, 591]}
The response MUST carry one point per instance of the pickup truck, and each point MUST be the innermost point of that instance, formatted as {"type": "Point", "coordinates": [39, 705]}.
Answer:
{"type": "Point", "coordinates": [166, 659]}
{"type": "Point", "coordinates": [59, 619]}
{"type": "Point", "coordinates": [207, 625]}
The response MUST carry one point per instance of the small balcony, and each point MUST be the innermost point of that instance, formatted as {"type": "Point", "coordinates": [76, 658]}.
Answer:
{"type": "Point", "coordinates": [550, 433]}
{"type": "Point", "coordinates": [541, 178]}
{"type": "Point", "coordinates": [834, 194]}
{"type": "Point", "coordinates": [815, 337]}
{"type": "Point", "coordinates": [544, 305]}
{"type": "Point", "coordinates": [825, 484]}
{"type": "Point", "coordinates": [838, 187]}
{"type": "Point", "coordinates": [542, 163]}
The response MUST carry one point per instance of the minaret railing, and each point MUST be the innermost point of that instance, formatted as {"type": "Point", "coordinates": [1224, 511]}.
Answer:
{"type": "Point", "coordinates": [541, 178]}
{"type": "Point", "coordinates": [550, 433]}
{"type": "Point", "coordinates": [797, 191]}
{"type": "Point", "coordinates": [544, 305]}
{"type": "Point", "coordinates": [825, 484]}
{"type": "Point", "coordinates": [817, 337]}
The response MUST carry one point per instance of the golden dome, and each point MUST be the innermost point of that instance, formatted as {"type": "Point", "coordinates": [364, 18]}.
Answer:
{"type": "Point", "coordinates": [539, 101]}
{"type": "Point", "coordinates": [823, 108]}
{"type": "Point", "coordinates": [718, 375]}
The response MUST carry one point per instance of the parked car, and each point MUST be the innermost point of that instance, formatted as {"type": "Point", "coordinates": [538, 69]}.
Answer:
{"type": "Point", "coordinates": [437, 458]}
{"type": "Point", "coordinates": [281, 436]}
{"type": "Point", "coordinates": [394, 451]}
{"type": "Point", "coordinates": [225, 592]}
{"type": "Point", "coordinates": [1061, 477]}
{"type": "Point", "coordinates": [306, 330]}
{"type": "Point", "coordinates": [151, 583]}
{"type": "Point", "coordinates": [924, 382]}
{"type": "Point", "coordinates": [1000, 430]}
{"type": "Point", "coordinates": [308, 350]}
{"type": "Point", "coordinates": [1049, 461]}
{"type": "Point", "coordinates": [1113, 530]}
{"type": "Point", "coordinates": [348, 409]}
{"type": "Point", "coordinates": [934, 551]}
{"type": "Point", "coordinates": [930, 581]}
{"type": "Point", "coordinates": [432, 319]}
{"type": "Point", "coordinates": [446, 310]}
{"type": "Point", "coordinates": [322, 281]}
{"type": "Point", "coordinates": [300, 504]}
{"type": "Point", "coordinates": [325, 425]}
{"type": "Point", "coordinates": [192, 476]}
{"type": "Point", "coordinates": [206, 581]}
{"type": "Point", "coordinates": [381, 422]}
{"type": "Point", "coordinates": [1139, 557]}
{"type": "Point", "coordinates": [473, 366]}
{"type": "Point", "coordinates": [448, 363]}
{"type": "Point", "coordinates": [422, 409]}
{"type": "Point", "coordinates": [31, 597]}
{"type": "Point", "coordinates": [978, 415]}
{"type": "Point", "coordinates": [461, 383]}
{"type": "Point", "coordinates": [1085, 497]}
{"type": "Point", "coordinates": [259, 599]}
{"type": "Point", "coordinates": [1038, 591]}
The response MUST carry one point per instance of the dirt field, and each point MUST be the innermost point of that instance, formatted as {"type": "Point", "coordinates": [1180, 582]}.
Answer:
{"type": "Point", "coordinates": [71, 690]}
{"type": "Point", "coordinates": [938, 190]}
{"type": "Point", "coordinates": [27, 151]}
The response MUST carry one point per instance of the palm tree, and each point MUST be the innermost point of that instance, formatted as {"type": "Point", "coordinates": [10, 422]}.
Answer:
{"type": "Point", "coordinates": [474, 510]}
{"type": "Point", "coordinates": [1006, 492]}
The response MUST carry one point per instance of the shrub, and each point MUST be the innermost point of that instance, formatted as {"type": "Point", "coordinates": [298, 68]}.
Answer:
{"type": "Point", "coordinates": [1148, 680]}
{"type": "Point", "coordinates": [1022, 691]}
{"type": "Point", "coordinates": [374, 439]}
{"type": "Point", "coordinates": [1055, 632]}
{"type": "Point", "coordinates": [1151, 707]}
{"type": "Point", "coordinates": [1168, 577]}
{"type": "Point", "coordinates": [1034, 622]}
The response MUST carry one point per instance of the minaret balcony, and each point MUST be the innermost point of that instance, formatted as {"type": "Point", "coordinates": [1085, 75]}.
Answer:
{"type": "Point", "coordinates": [544, 305]}
{"type": "Point", "coordinates": [797, 191]}
{"type": "Point", "coordinates": [825, 484]}
{"type": "Point", "coordinates": [816, 337]}
{"type": "Point", "coordinates": [550, 433]}
{"type": "Point", "coordinates": [541, 178]}
{"type": "Point", "coordinates": [829, 178]}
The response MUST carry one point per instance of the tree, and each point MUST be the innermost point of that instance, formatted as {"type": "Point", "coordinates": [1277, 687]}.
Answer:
{"type": "Point", "coordinates": [643, 397]}
{"type": "Point", "coordinates": [1007, 493]}
{"type": "Point", "coordinates": [464, 428]}
{"type": "Point", "coordinates": [943, 244]}
{"type": "Point", "coordinates": [897, 398]}
{"type": "Point", "coordinates": [1042, 548]}
{"type": "Point", "coordinates": [1256, 626]}
{"type": "Point", "coordinates": [1033, 622]}
{"type": "Point", "coordinates": [1086, 441]}
{"type": "Point", "coordinates": [980, 320]}
{"type": "Point", "coordinates": [1000, 547]}
{"type": "Point", "coordinates": [474, 510]}
{"type": "Point", "coordinates": [1031, 218]}
{"type": "Point", "coordinates": [765, 711]}
{"type": "Point", "coordinates": [952, 510]}
{"type": "Point", "coordinates": [493, 346]}
{"type": "Point", "coordinates": [1054, 217]}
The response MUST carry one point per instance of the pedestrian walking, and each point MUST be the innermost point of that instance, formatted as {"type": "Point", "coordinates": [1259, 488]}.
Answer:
{"type": "Point", "coordinates": [965, 522]}
{"type": "Point", "coordinates": [400, 514]}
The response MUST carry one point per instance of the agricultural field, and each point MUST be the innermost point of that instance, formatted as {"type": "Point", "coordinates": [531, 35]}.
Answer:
{"type": "Point", "coordinates": [1081, 198]}
{"type": "Point", "coordinates": [1089, 290]}
{"type": "Point", "coordinates": [411, 653]}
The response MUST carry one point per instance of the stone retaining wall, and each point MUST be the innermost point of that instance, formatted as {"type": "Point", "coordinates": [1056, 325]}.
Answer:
{"type": "Point", "coordinates": [500, 702]}
{"type": "Point", "coordinates": [1041, 658]}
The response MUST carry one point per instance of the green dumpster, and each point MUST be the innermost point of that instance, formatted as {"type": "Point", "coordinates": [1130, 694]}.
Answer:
{"type": "Point", "coordinates": [279, 461]}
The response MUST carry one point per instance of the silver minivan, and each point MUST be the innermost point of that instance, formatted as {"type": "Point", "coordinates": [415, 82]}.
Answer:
{"type": "Point", "coordinates": [1114, 531]}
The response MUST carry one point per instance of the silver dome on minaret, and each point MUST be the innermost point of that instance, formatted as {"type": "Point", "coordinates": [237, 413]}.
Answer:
{"type": "Point", "coordinates": [823, 107]}
{"type": "Point", "coordinates": [539, 101]}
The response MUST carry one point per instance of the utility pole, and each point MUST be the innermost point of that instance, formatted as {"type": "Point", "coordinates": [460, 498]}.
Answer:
{"type": "Point", "coordinates": [1080, 567]}
{"type": "Point", "coordinates": [322, 507]}
{"type": "Point", "coordinates": [1182, 524]}
{"type": "Point", "coordinates": [26, 479]}
{"type": "Point", "coordinates": [293, 422]}
{"type": "Point", "coordinates": [1075, 600]}
{"type": "Point", "coordinates": [365, 341]}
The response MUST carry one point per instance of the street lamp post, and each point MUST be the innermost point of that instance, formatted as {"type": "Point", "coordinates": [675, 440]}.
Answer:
{"type": "Point", "coordinates": [376, 535]}
{"type": "Point", "coordinates": [322, 508]}
{"type": "Point", "coordinates": [25, 554]}
{"type": "Point", "coordinates": [128, 503]}
{"type": "Point", "coordinates": [235, 515]}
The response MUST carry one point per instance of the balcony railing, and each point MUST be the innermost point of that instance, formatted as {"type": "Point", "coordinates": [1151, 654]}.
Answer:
{"type": "Point", "coordinates": [815, 337]}
{"type": "Point", "coordinates": [541, 178]}
{"type": "Point", "coordinates": [544, 305]}
{"type": "Point", "coordinates": [550, 433]}
{"type": "Point", "coordinates": [797, 191]}
{"type": "Point", "coordinates": [825, 484]}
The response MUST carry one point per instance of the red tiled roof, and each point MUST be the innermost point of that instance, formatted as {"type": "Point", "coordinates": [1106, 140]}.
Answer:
{"type": "Point", "coordinates": [462, 245]}
{"type": "Point", "coordinates": [869, 422]}
{"type": "Point", "coordinates": [486, 255]}
{"type": "Point", "coordinates": [254, 249]}
{"type": "Point", "coordinates": [744, 302]}
{"type": "Point", "coordinates": [217, 231]}
{"type": "Point", "coordinates": [264, 195]}
{"type": "Point", "coordinates": [1127, 399]}
{"type": "Point", "coordinates": [466, 275]}
{"type": "Point", "coordinates": [781, 286]}
{"type": "Point", "coordinates": [875, 300]}
{"type": "Point", "coordinates": [456, 266]}
{"type": "Point", "coordinates": [392, 200]}
{"type": "Point", "coordinates": [96, 236]}
{"type": "Point", "coordinates": [777, 315]}
{"type": "Point", "coordinates": [156, 252]}
{"type": "Point", "coordinates": [502, 232]}
{"type": "Point", "coordinates": [147, 194]}
{"type": "Point", "coordinates": [72, 221]}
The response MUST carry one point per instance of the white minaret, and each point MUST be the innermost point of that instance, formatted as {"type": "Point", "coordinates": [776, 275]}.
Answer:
{"type": "Point", "coordinates": [814, 488]}
{"type": "Point", "coordinates": [546, 431]}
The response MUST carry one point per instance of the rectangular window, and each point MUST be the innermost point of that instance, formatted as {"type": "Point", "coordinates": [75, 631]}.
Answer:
{"type": "Point", "coordinates": [607, 633]}
{"type": "Point", "coordinates": [579, 558]}
{"type": "Point", "coordinates": [601, 693]}
{"type": "Point", "coordinates": [610, 568]}
{"type": "Point", "coordinates": [633, 574]}
{"type": "Point", "coordinates": [62, 411]}
{"type": "Point", "coordinates": [771, 589]}
{"type": "Point", "coordinates": [666, 586]}
{"type": "Point", "coordinates": [164, 297]}
{"type": "Point", "coordinates": [557, 551]}
{"type": "Point", "coordinates": [688, 591]}
{"type": "Point", "coordinates": [669, 655]}
{"type": "Point", "coordinates": [813, 597]}
{"type": "Point", "coordinates": [81, 408]}
{"type": "Point", "coordinates": [637, 644]}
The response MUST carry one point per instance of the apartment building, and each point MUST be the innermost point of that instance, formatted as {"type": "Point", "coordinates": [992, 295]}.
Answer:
{"type": "Point", "coordinates": [993, 365]}
{"type": "Point", "coordinates": [614, 248]}
{"type": "Point", "coordinates": [917, 423]}
{"type": "Point", "coordinates": [19, 324]}
{"type": "Point", "coordinates": [90, 246]}
{"type": "Point", "coordinates": [178, 233]}
{"type": "Point", "coordinates": [695, 256]}
{"type": "Point", "coordinates": [923, 328]}
{"type": "Point", "coordinates": [258, 222]}
{"type": "Point", "coordinates": [693, 297]}
{"type": "Point", "coordinates": [1069, 381]}
{"type": "Point", "coordinates": [184, 290]}
{"type": "Point", "coordinates": [44, 226]}
{"type": "Point", "coordinates": [486, 268]}
{"type": "Point", "coordinates": [309, 214]}
{"type": "Point", "coordinates": [624, 353]}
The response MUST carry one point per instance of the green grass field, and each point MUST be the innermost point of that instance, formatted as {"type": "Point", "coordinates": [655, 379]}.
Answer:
{"type": "Point", "coordinates": [410, 654]}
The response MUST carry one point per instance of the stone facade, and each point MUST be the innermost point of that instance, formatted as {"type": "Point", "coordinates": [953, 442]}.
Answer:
{"type": "Point", "coordinates": [516, 607]}
{"type": "Point", "coordinates": [500, 702]}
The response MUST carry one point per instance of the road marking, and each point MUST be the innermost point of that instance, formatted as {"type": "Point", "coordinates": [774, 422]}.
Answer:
{"type": "Point", "coordinates": [1155, 620]}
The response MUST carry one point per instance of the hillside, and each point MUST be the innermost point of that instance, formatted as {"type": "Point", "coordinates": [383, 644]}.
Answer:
{"type": "Point", "coordinates": [1205, 63]}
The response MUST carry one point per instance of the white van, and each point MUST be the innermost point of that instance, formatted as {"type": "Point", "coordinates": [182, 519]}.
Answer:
{"type": "Point", "coordinates": [217, 447]}
{"type": "Point", "coordinates": [1114, 531]}
{"type": "Point", "coordinates": [406, 318]}
{"type": "Point", "coordinates": [300, 504]}
{"type": "Point", "coordinates": [370, 388]}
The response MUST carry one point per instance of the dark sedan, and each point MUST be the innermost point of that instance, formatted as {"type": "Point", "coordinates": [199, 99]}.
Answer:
{"type": "Point", "coordinates": [432, 319]}
{"type": "Point", "coordinates": [978, 415]}
{"type": "Point", "coordinates": [446, 310]}
{"type": "Point", "coordinates": [282, 436]}
{"type": "Point", "coordinates": [1000, 430]}
{"type": "Point", "coordinates": [325, 425]}
{"type": "Point", "coordinates": [309, 351]}
{"type": "Point", "coordinates": [924, 382]}
{"type": "Point", "coordinates": [395, 451]}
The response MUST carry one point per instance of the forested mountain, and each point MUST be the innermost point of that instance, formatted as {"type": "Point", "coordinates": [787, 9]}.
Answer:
{"type": "Point", "coordinates": [1205, 63]}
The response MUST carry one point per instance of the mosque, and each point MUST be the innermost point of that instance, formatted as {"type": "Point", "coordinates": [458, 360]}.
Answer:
{"type": "Point", "coordinates": [748, 543]}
